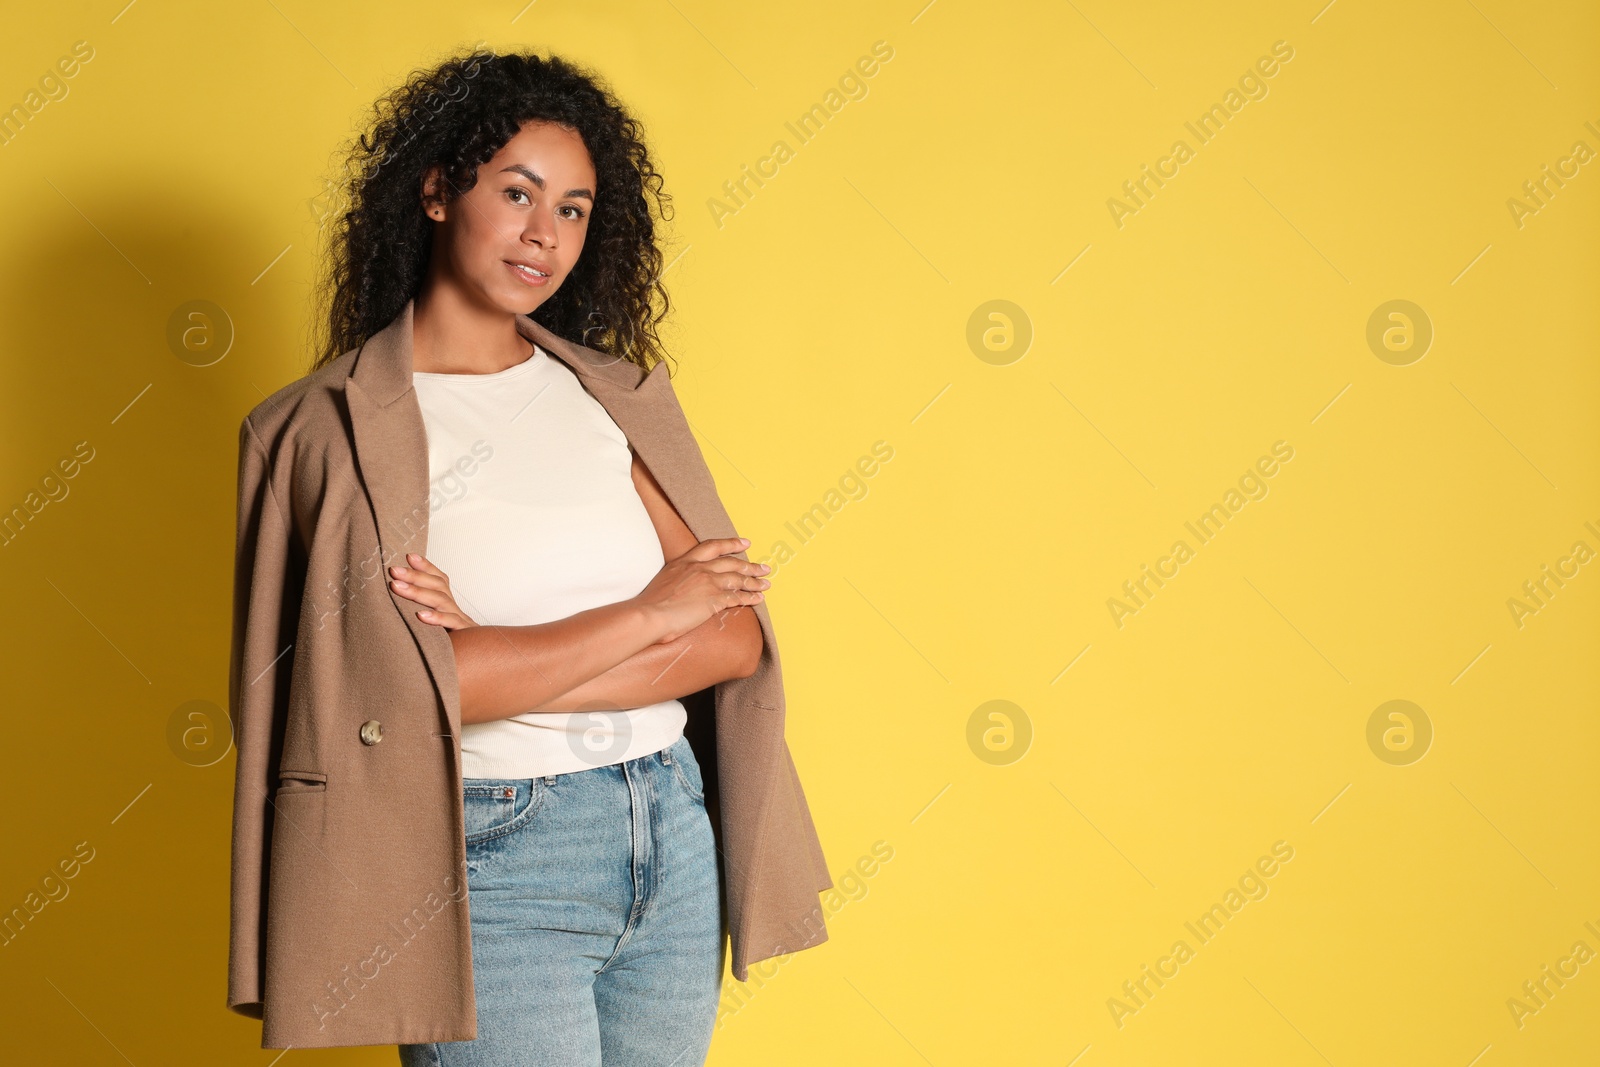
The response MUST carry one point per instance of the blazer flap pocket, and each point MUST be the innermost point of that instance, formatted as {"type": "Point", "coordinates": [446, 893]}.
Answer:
{"type": "Point", "coordinates": [301, 781]}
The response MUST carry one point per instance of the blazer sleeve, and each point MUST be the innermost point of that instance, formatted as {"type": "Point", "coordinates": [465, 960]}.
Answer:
{"type": "Point", "coordinates": [257, 687]}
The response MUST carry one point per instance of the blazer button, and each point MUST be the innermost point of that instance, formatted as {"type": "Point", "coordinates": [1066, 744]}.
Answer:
{"type": "Point", "coordinates": [371, 732]}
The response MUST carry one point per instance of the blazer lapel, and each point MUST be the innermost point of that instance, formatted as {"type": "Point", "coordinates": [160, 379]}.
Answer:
{"type": "Point", "coordinates": [392, 456]}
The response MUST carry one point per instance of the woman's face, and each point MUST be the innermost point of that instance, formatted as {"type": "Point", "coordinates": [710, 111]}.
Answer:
{"type": "Point", "coordinates": [531, 206]}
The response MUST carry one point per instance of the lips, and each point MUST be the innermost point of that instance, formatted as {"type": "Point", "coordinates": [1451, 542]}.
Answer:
{"type": "Point", "coordinates": [529, 274]}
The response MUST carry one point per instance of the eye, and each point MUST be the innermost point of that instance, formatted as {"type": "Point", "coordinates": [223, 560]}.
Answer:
{"type": "Point", "coordinates": [513, 191]}
{"type": "Point", "coordinates": [578, 212]}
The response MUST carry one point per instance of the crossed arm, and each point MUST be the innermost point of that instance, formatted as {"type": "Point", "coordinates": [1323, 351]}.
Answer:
{"type": "Point", "coordinates": [605, 657]}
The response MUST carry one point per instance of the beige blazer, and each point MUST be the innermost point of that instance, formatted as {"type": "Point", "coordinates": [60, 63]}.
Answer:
{"type": "Point", "coordinates": [349, 909]}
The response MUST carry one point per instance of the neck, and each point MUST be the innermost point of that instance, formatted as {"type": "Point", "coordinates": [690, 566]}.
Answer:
{"type": "Point", "coordinates": [452, 335]}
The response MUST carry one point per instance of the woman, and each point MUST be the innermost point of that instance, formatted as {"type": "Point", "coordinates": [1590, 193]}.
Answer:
{"type": "Point", "coordinates": [569, 967]}
{"type": "Point", "coordinates": [579, 605]}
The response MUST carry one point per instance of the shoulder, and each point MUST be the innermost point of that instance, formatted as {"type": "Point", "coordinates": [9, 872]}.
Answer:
{"type": "Point", "coordinates": [589, 363]}
{"type": "Point", "coordinates": [309, 405]}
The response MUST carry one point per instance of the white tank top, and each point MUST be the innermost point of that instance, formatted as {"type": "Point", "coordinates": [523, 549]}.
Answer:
{"type": "Point", "coordinates": [534, 516]}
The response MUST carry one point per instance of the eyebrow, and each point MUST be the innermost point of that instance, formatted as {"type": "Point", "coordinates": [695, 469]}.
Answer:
{"type": "Point", "coordinates": [587, 194]}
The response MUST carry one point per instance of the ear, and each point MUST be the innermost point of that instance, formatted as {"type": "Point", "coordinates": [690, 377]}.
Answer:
{"type": "Point", "coordinates": [433, 204]}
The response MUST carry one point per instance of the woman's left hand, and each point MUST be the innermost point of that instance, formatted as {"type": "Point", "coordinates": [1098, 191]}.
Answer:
{"type": "Point", "coordinates": [429, 586]}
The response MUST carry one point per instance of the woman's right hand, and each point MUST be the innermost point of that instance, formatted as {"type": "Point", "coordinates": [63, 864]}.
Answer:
{"type": "Point", "coordinates": [693, 587]}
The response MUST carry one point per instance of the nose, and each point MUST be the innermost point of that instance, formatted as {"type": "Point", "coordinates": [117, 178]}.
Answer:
{"type": "Point", "coordinates": [540, 229]}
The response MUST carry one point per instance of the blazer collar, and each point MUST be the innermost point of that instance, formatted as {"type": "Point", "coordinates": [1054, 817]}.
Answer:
{"type": "Point", "coordinates": [384, 364]}
{"type": "Point", "coordinates": [391, 448]}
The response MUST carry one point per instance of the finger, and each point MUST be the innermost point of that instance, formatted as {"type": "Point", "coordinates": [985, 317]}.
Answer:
{"type": "Point", "coordinates": [738, 597]}
{"type": "Point", "coordinates": [449, 620]}
{"type": "Point", "coordinates": [411, 582]}
{"type": "Point", "coordinates": [717, 546]}
{"type": "Point", "coordinates": [420, 579]}
{"type": "Point", "coordinates": [734, 580]}
{"type": "Point", "coordinates": [737, 583]}
{"type": "Point", "coordinates": [453, 618]}
{"type": "Point", "coordinates": [422, 564]}
{"type": "Point", "coordinates": [735, 564]}
{"type": "Point", "coordinates": [433, 598]}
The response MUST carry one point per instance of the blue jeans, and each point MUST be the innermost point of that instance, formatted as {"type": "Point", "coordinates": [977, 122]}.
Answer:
{"type": "Point", "coordinates": [597, 919]}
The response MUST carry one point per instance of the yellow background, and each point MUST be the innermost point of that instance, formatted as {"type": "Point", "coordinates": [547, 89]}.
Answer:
{"type": "Point", "coordinates": [831, 311]}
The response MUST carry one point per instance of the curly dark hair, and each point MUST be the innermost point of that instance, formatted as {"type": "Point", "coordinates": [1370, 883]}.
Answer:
{"type": "Point", "coordinates": [457, 115]}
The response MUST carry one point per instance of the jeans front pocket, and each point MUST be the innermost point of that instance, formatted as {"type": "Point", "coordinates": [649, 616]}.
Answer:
{"type": "Point", "coordinates": [686, 768]}
{"type": "Point", "coordinates": [494, 807]}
